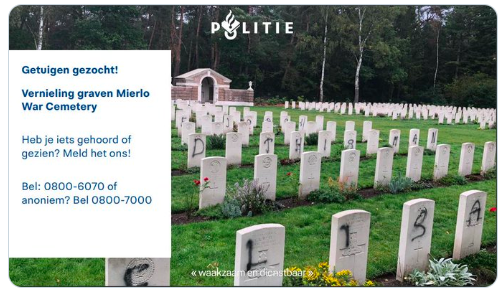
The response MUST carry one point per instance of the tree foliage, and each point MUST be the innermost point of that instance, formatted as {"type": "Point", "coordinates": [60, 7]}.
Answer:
{"type": "Point", "coordinates": [415, 54]}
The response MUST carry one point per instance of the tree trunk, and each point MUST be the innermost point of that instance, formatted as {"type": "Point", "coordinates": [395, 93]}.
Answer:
{"type": "Point", "coordinates": [436, 67]}
{"type": "Point", "coordinates": [458, 58]}
{"type": "Point", "coordinates": [214, 49]}
{"type": "Point", "coordinates": [179, 43]}
{"type": "Point", "coordinates": [324, 56]}
{"type": "Point", "coordinates": [200, 14]}
{"type": "Point", "coordinates": [357, 78]}
{"type": "Point", "coordinates": [41, 29]}
{"type": "Point", "coordinates": [152, 35]}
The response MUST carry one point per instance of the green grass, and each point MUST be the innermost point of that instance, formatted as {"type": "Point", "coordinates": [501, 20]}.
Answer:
{"type": "Point", "coordinates": [454, 135]}
{"type": "Point", "coordinates": [57, 271]}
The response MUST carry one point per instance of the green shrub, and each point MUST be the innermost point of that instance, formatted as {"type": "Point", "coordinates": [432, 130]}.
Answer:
{"type": "Point", "coordinates": [213, 212]}
{"type": "Point", "coordinates": [453, 180]}
{"type": "Point", "coordinates": [246, 200]}
{"type": "Point", "coordinates": [325, 196]}
{"type": "Point", "coordinates": [179, 147]}
{"type": "Point", "coordinates": [442, 272]}
{"type": "Point", "coordinates": [216, 142]}
{"type": "Point", "coordinates": [490, 174]}
{"type": "Point", "coordinates": [312, 139]}
{"type": "Point", "coordinates": [400, 184]}
{"type": "Point", "coordinates": [421, 185]}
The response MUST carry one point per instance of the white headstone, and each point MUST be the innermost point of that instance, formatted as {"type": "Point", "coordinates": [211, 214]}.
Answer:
{"type": "Point", "coordinates": [350, 126]}
{"type": "Point", "coordinates": [324, 143]}
{"type": "Point", "coordinates": [311, 128]}
{"type": "Point", "coordinates": [349, 243]}
{"type": "Point", "coordinates": [350, 163]}
{"type": "Point", "coordinates": [296, 145]}
{"type": "Point", "coordinates": [310, 169]}
{"type": "Point", "coordinates": [350, 139]}
{"type": "Point", "coordinates": [266, 143]}
{"type": "Point", "coordinates": [415, 237]}
{"type": "Point", "coordinates": [302, 122]}
{"type": "Point", "coordinates": [319, 123]}
{"type": "Point", "coordinates": [217, 128]}
{"type": "Point", "coordinates": [414, 163]}
{"type": "Point", "coordinates": [219, 116]}
{"type": "Point", "coordinates": [332, 127]}
{"type": "Point", "coordinates": [441, 167]}
{"type": "Point", "coordinates": [367, 126]}
{"type": "Point", "coordinates": [265, 173]}
{"type": "Point", "coordinates": [466, 159]}
{"type": "Point", "coordinates": [215, 169]}
{"type": "Point", "coordinates": [288, 127]}
{"type": "Point", "coordinates": [469, 224]}
{"type": "Point", "coordinates": [228, 124]}
{"type": "Point", "coordinates": [373, 142]}
{"type": "Point", "coordinates": [196, 150]}
{"type": "Point", "coordinates": [394, 139]}
{"type": "Point", "coordinates": [259, 258]}
{"type": "Point", "coordinates": [488, 157]}
{"type": "Point", "coordinates": [431, 144]}
{"type": "Point", "coordinates": [244, 130]}
{"type": "Point", "coordinates": [267, 127]}
{"type": "Point", "coordinates": [384, 167]}
{"type": "Point", "coordinates": [233, 148]}
{"type": "Point", "coordinates": [187, 129]}
{"type": "Point", "coordinates": [414, 137]}
{"type": "Point", "coordinates": [137, 271]}
{"type": "Point", "coordinates": [206, 124]}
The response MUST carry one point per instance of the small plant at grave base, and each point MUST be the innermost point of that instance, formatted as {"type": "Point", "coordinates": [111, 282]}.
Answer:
{"type": "Point", "coordinates": [190, 199]}
{"type": "Point", "coordinates": [216, 142]}
{"type": "Point", "coordinates": [320, 276]}
{"type": "Point", "coordinates": [452, 180]}
{"type": "Point", "coordinates": [235, 128]}
{"type": "Point", "coordinates": [192, 118]}
{"type": "Point", "coordinates": [429, 152]}
{"type": "Point", "coordinates": [330, 195]}
{"type": "Point", "coordinates": [490, 174]}
{"type": "Point", "coordinates": [247, 199]}
{"type": "Point", "coordinates": [400, 184]}
{"type": "Point", "coordinates": [421, 184]}
{"type": "Point", "coordinates": [278, 130]}
{"type": "Point", "coordinates": [350, 192]}
{"type": "Point", "coordinates": [312, 139]}
{"type": "Point", "coordinates": [442, 272]}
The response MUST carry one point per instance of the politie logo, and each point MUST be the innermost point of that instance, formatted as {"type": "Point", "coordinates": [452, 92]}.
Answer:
{"type": "Point", "coordinates": [231, 25]}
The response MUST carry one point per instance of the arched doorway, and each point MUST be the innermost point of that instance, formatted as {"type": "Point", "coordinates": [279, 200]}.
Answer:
{"type": "Point", "coordinates": [207, 90]}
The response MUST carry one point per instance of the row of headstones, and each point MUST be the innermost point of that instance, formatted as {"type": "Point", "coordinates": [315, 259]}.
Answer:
{"type": "Point", "coordinates": [482, 116]}
{"type": "Point", "coordinates": [197, 149]}
{"type": "Point", "coordinates": [265, 169]}
{"type": "Point", "coordinates": [260, 249]}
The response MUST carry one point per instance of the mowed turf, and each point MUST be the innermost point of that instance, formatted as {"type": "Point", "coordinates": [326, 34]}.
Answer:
{"type": "Point", "coordinates": [454, 135]}
{"type": "Point", "coordinates": [195, 246]}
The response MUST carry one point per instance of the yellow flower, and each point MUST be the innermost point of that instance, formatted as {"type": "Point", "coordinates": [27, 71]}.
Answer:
{"type": "Point", "coordinates": [323, 265]}
{"type": "Point", "coordinates": [353, 283]}
{"type": "Point", "coordinates": [311, 273]}
{"type": "Point", "coordinates": [344, 273]}
{"type": "Point", "coordinates": [369, 283]}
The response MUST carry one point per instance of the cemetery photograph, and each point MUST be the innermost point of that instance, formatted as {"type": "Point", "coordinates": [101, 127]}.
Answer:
{"type": "Point", "coordinates": [310, 145]}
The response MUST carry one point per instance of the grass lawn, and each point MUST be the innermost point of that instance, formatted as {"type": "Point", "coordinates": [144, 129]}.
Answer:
{"type": "Point", "coordinates": [454, 135]}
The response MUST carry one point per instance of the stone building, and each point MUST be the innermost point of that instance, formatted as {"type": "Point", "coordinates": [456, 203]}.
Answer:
{"type": "Point", "coordinates": [208, 86]}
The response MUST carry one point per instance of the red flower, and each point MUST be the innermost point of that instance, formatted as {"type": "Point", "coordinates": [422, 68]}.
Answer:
{"type": "Point", "coordinates": [197, 182]}
{"type": "Point", "coordinates": [206, 179]}
{"type": "Point", "coordinates": [289, 174]}
{"type": "Point", "coordinates": [493, 209]}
